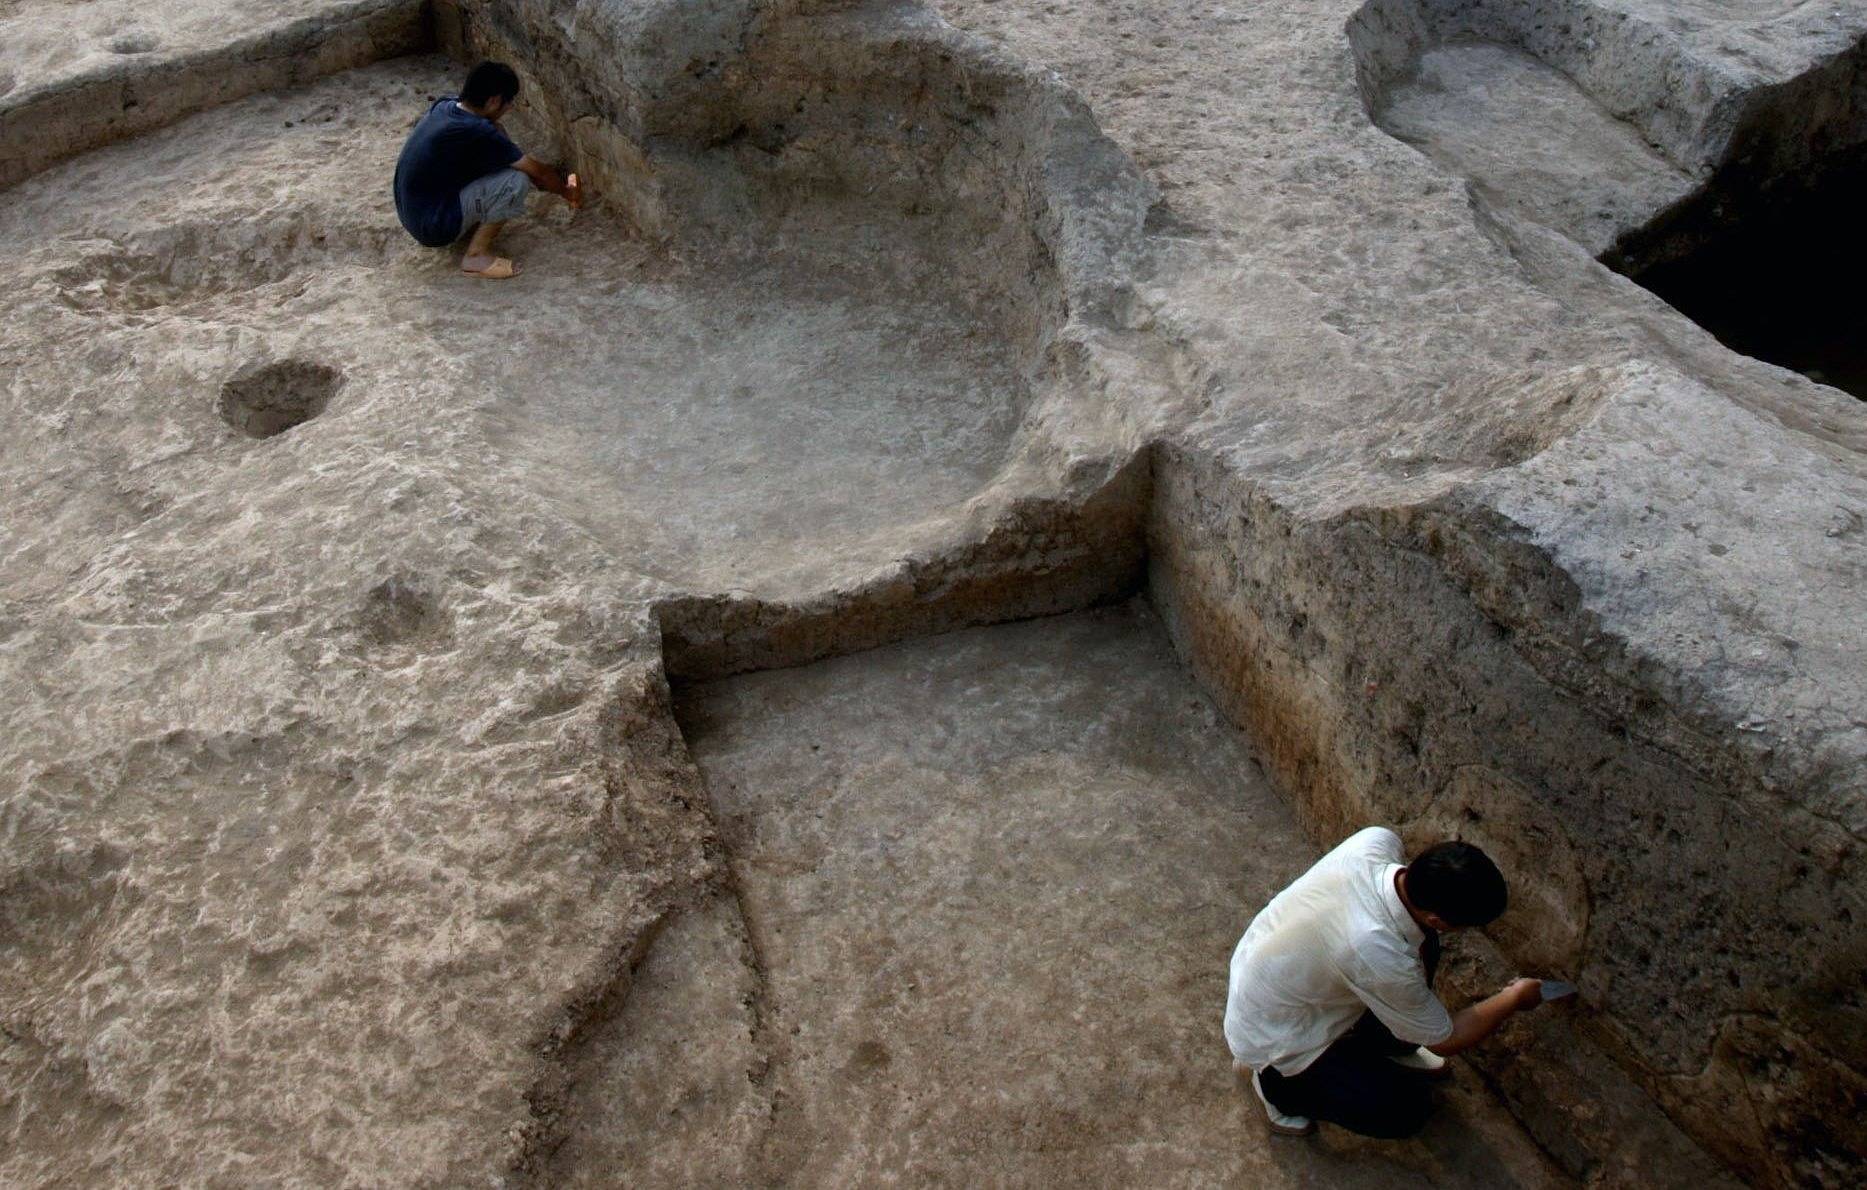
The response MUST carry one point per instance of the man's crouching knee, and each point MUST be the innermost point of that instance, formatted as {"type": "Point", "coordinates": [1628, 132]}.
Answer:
{"type": "Point", "coordinates": [495, 198]}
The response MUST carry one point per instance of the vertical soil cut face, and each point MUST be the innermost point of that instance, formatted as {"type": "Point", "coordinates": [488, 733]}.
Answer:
{"type": "Point", "coordinates": [1777, 282]}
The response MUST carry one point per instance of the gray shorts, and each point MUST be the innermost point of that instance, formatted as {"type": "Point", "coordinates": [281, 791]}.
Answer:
{"type": "Point", "coordinates": [495, 198]}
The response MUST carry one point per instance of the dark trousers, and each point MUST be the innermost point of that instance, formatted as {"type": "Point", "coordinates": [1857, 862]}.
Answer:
{"type": "Point", "coordinates": [1355, 1084]}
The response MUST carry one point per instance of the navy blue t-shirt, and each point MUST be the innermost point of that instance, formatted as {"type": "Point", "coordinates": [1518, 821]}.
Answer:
{"type": "Point", "coordinates": [449, 148]}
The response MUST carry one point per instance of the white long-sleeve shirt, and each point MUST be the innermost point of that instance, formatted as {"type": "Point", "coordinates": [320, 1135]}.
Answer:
{"type": "Point", "coordinates": [1335, 943]}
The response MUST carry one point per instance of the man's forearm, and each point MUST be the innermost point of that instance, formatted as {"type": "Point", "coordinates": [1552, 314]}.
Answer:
{"type": "Point", "coordinates": [1476, 1022]}
{"type": "Point", "coordinates": [543, 176]}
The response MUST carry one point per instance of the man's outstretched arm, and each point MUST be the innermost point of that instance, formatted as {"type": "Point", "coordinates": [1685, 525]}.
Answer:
{"type": "Point", "coordinates": [1475, 1022]}
{"type": "Point", "coordinates": [543, 176]}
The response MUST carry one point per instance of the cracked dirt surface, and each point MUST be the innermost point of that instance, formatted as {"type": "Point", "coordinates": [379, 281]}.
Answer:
{"type": "Point", "coordinates": [349, 834]}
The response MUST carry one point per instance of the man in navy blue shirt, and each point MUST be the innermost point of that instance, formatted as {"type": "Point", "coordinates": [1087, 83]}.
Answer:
{"type": "Point", "coordinates": [460, 173]}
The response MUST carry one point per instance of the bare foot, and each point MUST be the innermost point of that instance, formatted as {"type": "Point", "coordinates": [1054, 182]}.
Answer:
{"type": "Point", "coordinates": [493, 268]}
{"type": "Point", "coordinates": [573, 192]}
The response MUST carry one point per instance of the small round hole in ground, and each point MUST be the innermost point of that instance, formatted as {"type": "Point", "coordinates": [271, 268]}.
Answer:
{"type": "Point", "coordinates": [269, 399]}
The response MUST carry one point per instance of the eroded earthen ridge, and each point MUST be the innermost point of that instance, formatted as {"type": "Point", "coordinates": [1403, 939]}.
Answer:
{"type": "Point", "coordinates": [354, 834]}
{"type": "Point", "coordinates": [1714, 166]}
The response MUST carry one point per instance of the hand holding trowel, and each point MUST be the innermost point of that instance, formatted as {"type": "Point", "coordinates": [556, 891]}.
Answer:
{"type": "Point", "coordinates": [1557, 989]}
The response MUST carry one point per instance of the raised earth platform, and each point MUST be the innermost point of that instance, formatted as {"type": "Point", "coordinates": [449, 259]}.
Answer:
{"type": "Point", "coordinates": [544, 732]}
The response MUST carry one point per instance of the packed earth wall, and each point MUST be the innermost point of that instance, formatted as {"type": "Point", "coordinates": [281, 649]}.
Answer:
{"type": "Point", "coordinates": [1428, 667]}
{"type": "Point", "coordinates": [48, 121]}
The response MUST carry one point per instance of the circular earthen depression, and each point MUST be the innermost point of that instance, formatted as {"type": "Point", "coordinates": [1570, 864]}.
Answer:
{"type": "Point", "coordinates": [267, 399]}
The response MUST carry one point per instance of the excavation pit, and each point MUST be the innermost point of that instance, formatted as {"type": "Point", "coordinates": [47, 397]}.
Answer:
{"type": "Point", "coordinates": [1770, 270]}
{"type": "Point", "coordinates": [856, 347]}
{"type": "Point", "coordinates": [805, 408]}
{"type": "Point", "coordinates": [272, 398]}
{"type": "Point", "coordinates": [989, 882]}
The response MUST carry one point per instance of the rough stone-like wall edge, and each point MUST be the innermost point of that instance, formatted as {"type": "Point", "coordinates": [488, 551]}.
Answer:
{"type": "Point", "coordinates": [1366, 660]}
{"type": "Point", "coordinates": [1782, 138]}
{"type": "Point", "coordinates": [1037, 556]}
{"type": "Point", "coordinates": [1693, 107]}
{"type": "Point", "coordinates": [1740, 134]}
{"type": "Point", "coordinates": [46, 124]}
{"type": "Point", "coordinates": [654, 796]}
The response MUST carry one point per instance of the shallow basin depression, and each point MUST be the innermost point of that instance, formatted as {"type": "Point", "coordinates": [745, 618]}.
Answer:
{"type": "Point", "coordinates": [267, 399]}
{"type": "Point", "coordinates": [720, 424]}
{"type": "Point", "coordinates": [841, 310]}
{"type": "Point", "coordinates": [810, 373]}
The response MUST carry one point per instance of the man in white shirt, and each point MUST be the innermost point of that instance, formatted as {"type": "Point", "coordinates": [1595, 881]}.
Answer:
{"type": "Point", "coordinates": [1331, 1006]}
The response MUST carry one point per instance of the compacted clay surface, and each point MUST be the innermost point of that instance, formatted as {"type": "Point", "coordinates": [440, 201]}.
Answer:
{"type": "Point", "coordinates": [75, 74]}
{"type": "Point", "coordinates": [352, 833]}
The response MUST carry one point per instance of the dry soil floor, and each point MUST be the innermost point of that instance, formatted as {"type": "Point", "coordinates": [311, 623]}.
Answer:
{"type": "Point", "coordinates": [51, 41]}
{"type": "Point", "coordinates": [714, 421]}
{"type": "Point", "coordinates": [986, 888]}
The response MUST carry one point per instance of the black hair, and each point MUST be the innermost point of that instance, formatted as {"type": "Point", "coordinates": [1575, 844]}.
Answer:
{"type": "Point", "coordinates": [489, 80]}
{"type": "Point", "coordinates": [1458, 882]}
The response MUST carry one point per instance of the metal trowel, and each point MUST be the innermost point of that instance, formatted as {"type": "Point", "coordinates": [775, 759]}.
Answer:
{"type": "Point", "coordinates": [1557, 989]}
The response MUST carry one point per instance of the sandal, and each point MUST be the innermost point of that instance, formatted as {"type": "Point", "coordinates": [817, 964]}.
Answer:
{"type": "Point", "coordinates": [499, 270]}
